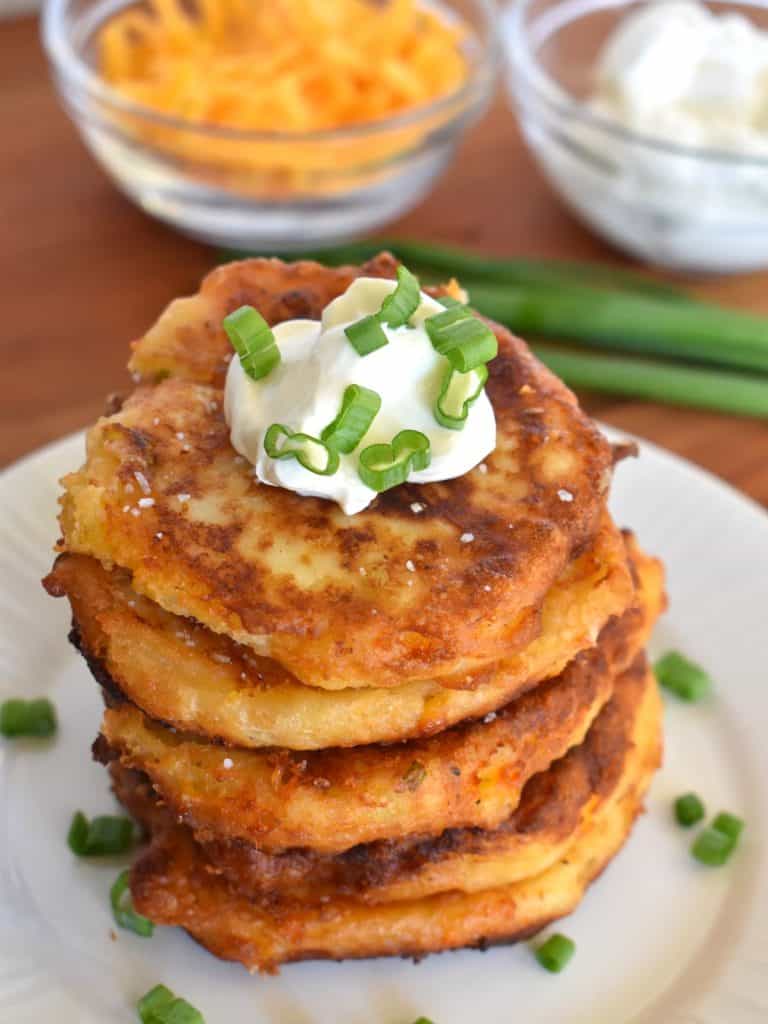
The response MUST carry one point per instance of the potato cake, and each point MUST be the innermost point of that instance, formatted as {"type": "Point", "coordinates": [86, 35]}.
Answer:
{"type": "Point", "coordinates": [183, 675]}
{"type": "Point", "coordinates": [172, 884]}
{"type": "Point", "coordinates": [554, 804]}
{"type": "Point", "coordinates": [331, 800]}
{"type": "Point", "coordinates": [333, 598]}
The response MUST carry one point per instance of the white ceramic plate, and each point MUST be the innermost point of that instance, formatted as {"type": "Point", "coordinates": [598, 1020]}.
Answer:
{"type": "Point", "coordinates": [659, 938]}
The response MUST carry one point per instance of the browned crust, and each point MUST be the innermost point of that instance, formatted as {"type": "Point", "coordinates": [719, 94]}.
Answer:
{"type": "Point", "coordinates": [331, 800]}
{"type": "Point", "coordinates": [197, 347]}
{"type": "Point", "coordinates": [172, 884]}
{"type": "Point", "coordinates": [466, 601]}
{"type": "Point", "coordinates": [185, 676]}
{"type": "Point", "coordinates": [552, 806]}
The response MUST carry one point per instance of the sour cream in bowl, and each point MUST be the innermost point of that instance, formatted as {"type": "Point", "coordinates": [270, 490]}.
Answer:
{"type": "Point", "coordinates": [651, 122]}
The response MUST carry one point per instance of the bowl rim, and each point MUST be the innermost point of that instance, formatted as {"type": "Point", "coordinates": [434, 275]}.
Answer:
{"type": "Point", "coordinates": [68, 63]}
{"type": "Point", "coordinates": [525, 67]}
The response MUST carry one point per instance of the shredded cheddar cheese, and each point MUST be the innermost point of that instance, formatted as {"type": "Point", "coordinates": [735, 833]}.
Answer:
{"type": "Point", "coordinates": [283, 65]}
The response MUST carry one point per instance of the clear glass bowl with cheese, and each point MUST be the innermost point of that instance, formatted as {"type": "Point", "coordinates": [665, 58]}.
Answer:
{"type": "Point", "coordinates": [277, 186]}
{"type": "Point", "coordinates": [651, 122]}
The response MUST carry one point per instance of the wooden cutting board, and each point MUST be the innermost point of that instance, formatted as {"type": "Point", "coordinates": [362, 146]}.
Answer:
{"type": "Point", "coordinates": [84, 271]}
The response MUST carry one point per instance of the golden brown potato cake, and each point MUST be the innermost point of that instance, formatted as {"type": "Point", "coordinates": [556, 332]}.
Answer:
{"type": "Point", "coordinates": [329, 596]}
{"type": "Point", "coordinates": [554, 804]}
{"type": "Point", "coordinates": [188, 340]}
{"type": "Point", "coordinates": [197, 681]}
{"type": "Point", "coordinates": [331, 800]}
{"type": "Point", "coordinates": [172, 884]}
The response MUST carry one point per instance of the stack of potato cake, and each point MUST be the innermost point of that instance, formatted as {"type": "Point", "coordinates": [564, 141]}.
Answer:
{"type": "Point", "coordinates": [425, 726]}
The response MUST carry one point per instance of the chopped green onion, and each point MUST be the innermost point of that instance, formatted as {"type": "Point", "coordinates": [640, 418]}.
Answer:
{"type": "Point", "coordinates": [462, 338]}
{"type": "Point", "coordinates": [359, 408]}
{"type": "Point", "coordinates": [122, 908]}
{"type": "Point", "coordinates": [366, 335]}
{"type": "Point", "coordinates": [729, 825]}
{"type": "Point", "coordinates": [280, 442]}
{"type": "Point", "coordinates": [400, 305]}
{"type": "Point", "coordinates": [423, 1020]}
{"type": "Point", "coordinates": [682, 677]}
{"type": "Point", "coordinates": [253, 341]}
{"type": "Point", "coordinates": [77, 837]}
{"type": "Point", "coordinates": [448, 301]}
{"type": "Point", "coordinates": [101, 837]}
{"type": "Point", "coordinates": [688, 810]}
{"type": "Point", "coordinates": [457, 393]}
{"type": "Point", "coordinates": [383, 466]}
{"type": "Point", "coordinates": [155, 1001]}
{"type": "Point", "coordinates": [161, 1006]}
{"type": "Point", "coordinates": [27, 718]}
{"type": "Point", "coordinates": [713, 847]}
{"type": "Point", "coordinates": [555, 953]}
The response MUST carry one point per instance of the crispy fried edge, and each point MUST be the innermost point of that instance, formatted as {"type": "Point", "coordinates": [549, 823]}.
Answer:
{"type": "Point", "coordinates": [172, 886]}
{"type": "Point", "coordinates": [418, 708]}
{"type": "Point", "coordinates": [553, 805]}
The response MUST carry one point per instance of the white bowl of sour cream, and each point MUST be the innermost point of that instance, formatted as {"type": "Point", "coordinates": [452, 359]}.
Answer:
{"type": "Point", "coordinates": [651, 122]}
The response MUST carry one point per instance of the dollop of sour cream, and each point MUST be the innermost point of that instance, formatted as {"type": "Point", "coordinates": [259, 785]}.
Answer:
{"type": "Point", "coordinates": [304, 392]}
{"type": "Point", "coordinates": [678, 71]}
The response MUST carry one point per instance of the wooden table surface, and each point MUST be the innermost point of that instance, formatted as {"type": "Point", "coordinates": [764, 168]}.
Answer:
{"type": "Point", "coordinates": [85, 271]}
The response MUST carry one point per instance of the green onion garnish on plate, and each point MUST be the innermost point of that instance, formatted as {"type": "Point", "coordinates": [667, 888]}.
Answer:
{"type": "Point", "coordinates": [122, 908]}
{"type": "Point", "coordinates": [253, 340]}
{"type": "Point", "coordinates": [366, 335]}
{"type": "Point", "coordinates": [103, 836]}
{"type": "Point", "coordinates": [359, 408]}
{"type": "Point", "coordinates": [717, 842]}
{"type": "Point", "coordinates": [555, 953]}
{"type": "Point", "coordinates": [280, 442]}
{"type": "Point", "coordinates": [161, 1006]}
{"type": "Point", "coordinates": [729, 824]}
{"type": "Point", "coordinates": [448, 301]}
{"type": "Point", "coordinates": [383, 466]}
{"type": "Point", "coordinates": [457, 393]}
{"type": "Point", "coordinates": [712, 847]}
{"type": "Point", "coordinates": [400, 305]}
{"type": "Point", "coordinates": [462, 338]}
{"type": "Point", "coordinates": [154, 1002]}
{"type": "Point", "coordinates": [682, 676]}
{"type": "Point", "coordinates": [688, 810]}
{"type": "Point", "coordinates": [27, 718]}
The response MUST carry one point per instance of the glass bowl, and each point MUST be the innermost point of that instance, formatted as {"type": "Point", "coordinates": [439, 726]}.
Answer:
{"type": "Point", "coordinates": [678, 206]}
{"type": "Point", "coordinates": [263, 190]}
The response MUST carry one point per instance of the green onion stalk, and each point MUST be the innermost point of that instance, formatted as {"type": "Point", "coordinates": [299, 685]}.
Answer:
{"type": "Point", "coordinates": [434, 262]}
{"type": "Point", "coordinates": [721, 390]}
{"type": "Point", "coordinates": [632, 323]}
{"type": "Point", "coordinates": [709, 357]}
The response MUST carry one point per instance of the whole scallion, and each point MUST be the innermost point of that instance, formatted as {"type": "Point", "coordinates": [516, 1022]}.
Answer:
{"type": "Point", "coordinates": [599, 306]}
{"type": "Point", "coordinates": [599, 318]}
{"type": "Point", "coordinates": [659, 381]}
{"type": "Point", "coordinates": [443, 261]}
